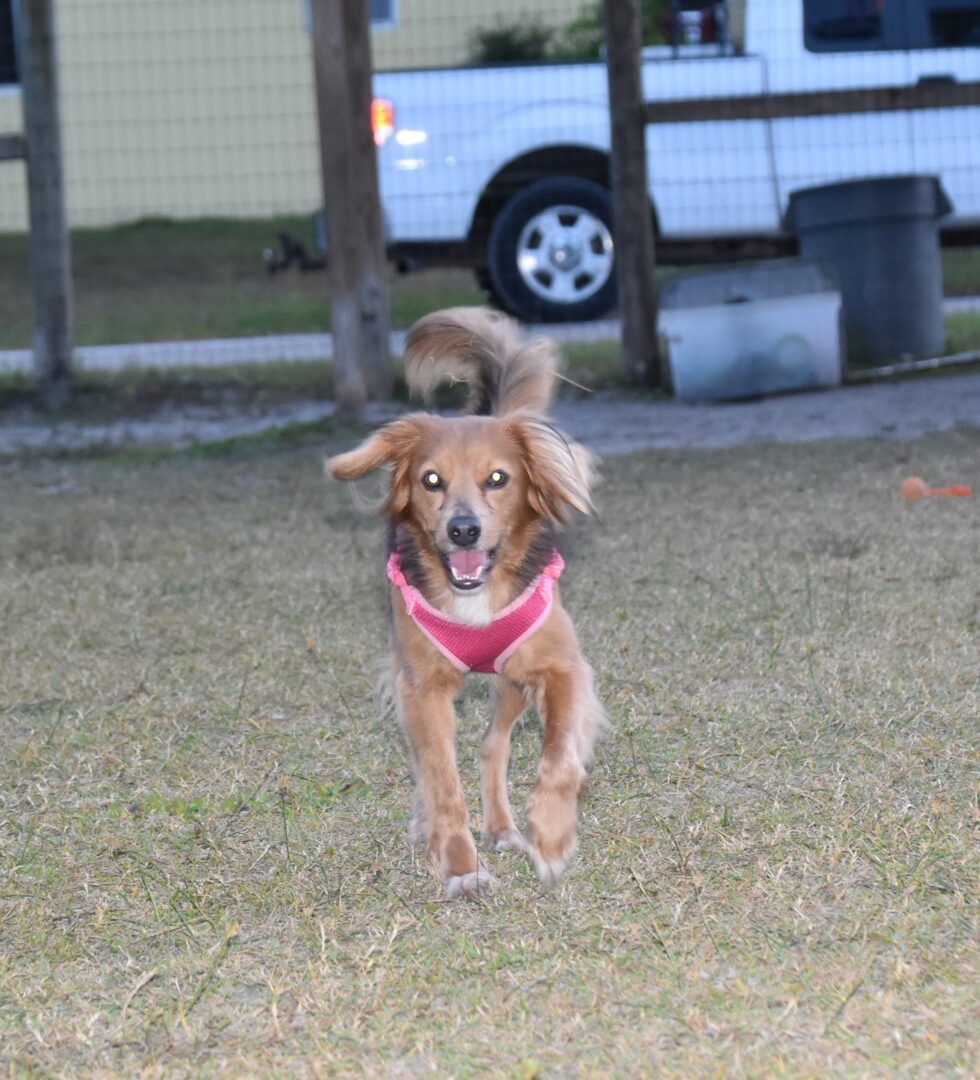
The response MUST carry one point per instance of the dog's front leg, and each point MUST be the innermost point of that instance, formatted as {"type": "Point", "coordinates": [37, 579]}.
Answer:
{"type": "Point", "coordinates": [430, 726]}
{"type": "Point", "coordinates": [569, 712]}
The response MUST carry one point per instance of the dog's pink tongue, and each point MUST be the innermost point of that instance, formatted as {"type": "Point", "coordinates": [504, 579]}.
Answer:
{"type": "Point", "coordinates": [468, 563]}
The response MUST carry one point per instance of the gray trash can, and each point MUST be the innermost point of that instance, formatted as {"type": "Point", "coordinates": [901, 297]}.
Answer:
{"type": "Point", "coordinates": [882, 237]}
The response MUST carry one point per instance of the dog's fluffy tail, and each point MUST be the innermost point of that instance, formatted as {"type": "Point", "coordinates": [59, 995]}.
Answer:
{"type": "Point", "coordinates": [482, 348]}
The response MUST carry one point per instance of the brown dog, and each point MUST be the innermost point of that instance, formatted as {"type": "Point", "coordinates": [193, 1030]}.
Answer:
{"type": "Point", "coordinates": [475, 503]}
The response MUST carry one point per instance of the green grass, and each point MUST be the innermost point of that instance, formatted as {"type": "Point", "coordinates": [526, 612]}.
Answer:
{"type": "Point", "coordinates": [963, 332]}
{"type": "Point", "coordinates": [204, 863]}
{"type": "Point", "coordinates": [961, 271]}
{"type": "Point", "coordinates": [162, 280]}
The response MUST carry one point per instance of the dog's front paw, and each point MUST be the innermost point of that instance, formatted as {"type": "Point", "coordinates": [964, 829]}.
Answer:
{"type": "Point", "coordinates": [504, 840]}
{"type": "Point", "coordinates": [550, 861]}
{"type": "Point", "coordinates": [552, 820]}
{"type": "Point", "coordinates": [473, 886]}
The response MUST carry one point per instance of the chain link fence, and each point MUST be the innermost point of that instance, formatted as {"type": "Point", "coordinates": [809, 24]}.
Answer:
{"type": "Point", "coordinates": [190, 146]}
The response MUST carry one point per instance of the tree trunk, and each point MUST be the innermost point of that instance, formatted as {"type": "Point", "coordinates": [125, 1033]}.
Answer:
{"type": "Point", "coordinates": [50, 252]}
{"type": "Point", "coordinates": [633, 220]}
{"type": "Point", "coordinates": [355, 244]}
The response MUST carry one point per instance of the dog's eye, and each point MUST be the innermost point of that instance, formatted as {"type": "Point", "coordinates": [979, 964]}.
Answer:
{"type": "Point", "coordinates": [432, 480]}
{"type": "Point", "coordinates": [497, 479]}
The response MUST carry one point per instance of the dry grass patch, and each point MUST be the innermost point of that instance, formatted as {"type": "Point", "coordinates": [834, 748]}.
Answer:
{"type": "Point", "coordinates": [205, 869]}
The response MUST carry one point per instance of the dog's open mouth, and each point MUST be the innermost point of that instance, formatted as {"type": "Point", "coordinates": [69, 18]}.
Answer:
{"type": "Point", "coordinates": [469, 567]}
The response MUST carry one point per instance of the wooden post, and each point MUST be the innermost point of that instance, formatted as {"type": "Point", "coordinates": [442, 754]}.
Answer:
{"type": "Point", "coordinates": [50, 256]}
{"type": "Point", "coordinates": [631, 205]}
{"type": "Point", "coordinates": [355, 244]}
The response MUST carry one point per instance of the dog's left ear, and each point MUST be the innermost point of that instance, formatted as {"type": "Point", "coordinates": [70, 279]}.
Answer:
{"type": "Point", "coordinates": [560, 472]}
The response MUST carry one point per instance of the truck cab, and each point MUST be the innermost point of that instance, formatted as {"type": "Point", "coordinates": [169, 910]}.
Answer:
{"type": "Point", "coordinates": [506, 167]}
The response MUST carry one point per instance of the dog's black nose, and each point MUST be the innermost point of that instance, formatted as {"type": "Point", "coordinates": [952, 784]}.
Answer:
{"type": "Point", "coordinates": [464, 530]}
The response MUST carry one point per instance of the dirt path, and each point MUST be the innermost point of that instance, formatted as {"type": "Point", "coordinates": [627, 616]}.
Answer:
{"type": "Point", "coordinates": [610, 425]}
{"type": "Point", "coordinates": [895, 410]}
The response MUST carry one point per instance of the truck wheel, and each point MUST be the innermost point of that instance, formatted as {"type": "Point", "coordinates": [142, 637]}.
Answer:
{"type": "Point", "coordinates": [550, 252]}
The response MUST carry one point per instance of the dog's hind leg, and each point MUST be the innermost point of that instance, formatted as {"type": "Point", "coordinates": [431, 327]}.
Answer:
{"type": "Point", "coordinates": [499, 830]}
{"type": "Point", "coordinates": [426, 714]}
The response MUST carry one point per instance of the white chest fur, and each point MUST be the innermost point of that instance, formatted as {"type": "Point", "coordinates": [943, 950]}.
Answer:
{"type": "Point", "coordinates": [473, 608]}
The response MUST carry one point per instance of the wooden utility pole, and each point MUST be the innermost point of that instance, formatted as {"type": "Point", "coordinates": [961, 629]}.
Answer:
{"type": "Point", "coordinates": [50, 251]}
{"type": "Point", "coordinates": [355, 243]}
{"type": "Point", "coordinates": [633, 224]}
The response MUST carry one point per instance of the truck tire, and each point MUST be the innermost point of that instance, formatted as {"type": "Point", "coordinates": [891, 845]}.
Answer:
{"type": "Point", "coordinates": [550, 252]}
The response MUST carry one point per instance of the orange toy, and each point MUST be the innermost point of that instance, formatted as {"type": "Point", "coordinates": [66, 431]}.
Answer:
{"type": "Point", "coordinates": [914, 487]}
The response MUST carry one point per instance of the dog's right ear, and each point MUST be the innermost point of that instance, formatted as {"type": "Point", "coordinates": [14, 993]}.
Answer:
{"type": "Point", "coordinates": [391, 445]}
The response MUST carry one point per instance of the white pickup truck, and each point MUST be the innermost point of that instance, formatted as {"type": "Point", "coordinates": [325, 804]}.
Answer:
{"type": "Point", "coordinates": [506, 168]}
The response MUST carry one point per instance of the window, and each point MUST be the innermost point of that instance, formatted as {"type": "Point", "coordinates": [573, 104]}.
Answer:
{"type": "Point", "coordinates": [844, 25]}
{"type": "Point", "coordinates": [950, 23]}
{"type": "Point", "coordinates": [848, 25]}
{"type": "Point", "coordinates": [383, 13]}
{"type": "Point", "coordinates": [8, 57]}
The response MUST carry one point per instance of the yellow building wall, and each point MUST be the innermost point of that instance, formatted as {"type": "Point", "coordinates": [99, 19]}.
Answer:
{"type": "Point", "coordinates": [179, 108]}
{"type": "Point", "coordinates": [185, 108]}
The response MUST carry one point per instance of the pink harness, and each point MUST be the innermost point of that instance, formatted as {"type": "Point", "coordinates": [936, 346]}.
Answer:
{"type": "Point", "coordinates": [481, 648]}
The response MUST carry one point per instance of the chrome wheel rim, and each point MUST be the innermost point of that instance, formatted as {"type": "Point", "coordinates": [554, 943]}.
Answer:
{"type": "Point", "coordinates": [565, 254]}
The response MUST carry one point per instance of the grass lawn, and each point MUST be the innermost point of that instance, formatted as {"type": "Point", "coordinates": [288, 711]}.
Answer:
{"type": "Point", "coordinates": [162, 280]}
{"type": "Point", "coordinates": [205, 867]}
{"type": "Point", "coordinates": [963, 332]}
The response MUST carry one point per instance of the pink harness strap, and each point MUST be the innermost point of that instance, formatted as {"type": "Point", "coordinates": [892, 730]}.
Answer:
{"type": "Point", "coordinates": [483, 649]}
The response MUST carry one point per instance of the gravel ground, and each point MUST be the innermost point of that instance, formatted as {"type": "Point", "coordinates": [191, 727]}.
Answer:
{"type": "Point", "coordinates": [610, 425]}
{"type": "Point", "coordinates": [894, 410]}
